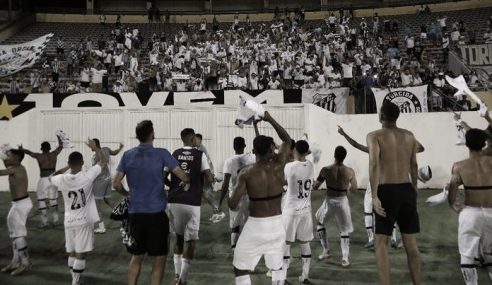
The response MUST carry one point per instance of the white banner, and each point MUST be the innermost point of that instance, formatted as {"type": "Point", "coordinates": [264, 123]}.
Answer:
{"type": "Point", "coordinates": [409, 99]}
{"type": "Point", "coordinates": [333, 100]}
{"type": "Point", "coordinates": [14, 58]}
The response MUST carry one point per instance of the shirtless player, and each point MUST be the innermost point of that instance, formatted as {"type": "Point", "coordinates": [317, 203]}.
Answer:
{"type": "Point", "coordinates": [339, 180]}
{"type": "Point", "coordinates": [475, 216]}
{"type": "Point", "coordinates": [393, 176]}
{"type": "Point", "coordinates": [46, 190]}
{"type": "Point", "coordinates": [263, 233]}
{"type": "Point", "coordinates": [368, 213]}
{"type": "Point", "coordinates": [17, 217]}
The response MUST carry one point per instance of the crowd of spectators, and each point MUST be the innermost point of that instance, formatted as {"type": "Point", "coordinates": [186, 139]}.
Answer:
{"type": "Point", "coordinates": [289, 52]}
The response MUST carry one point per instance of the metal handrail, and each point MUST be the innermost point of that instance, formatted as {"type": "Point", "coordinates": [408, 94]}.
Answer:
{"type": "Point", "coordinates": [448, 104]}
{"type": "Point", "coordinates": [482, 74]}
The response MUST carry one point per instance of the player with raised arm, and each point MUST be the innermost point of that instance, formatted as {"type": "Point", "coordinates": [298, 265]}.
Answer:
{"type": "Point", "coordinates": [102, 184]}
{"type": "Point", "coordinates": [45, 190]}
{"type": "Point", "coordinates": [264, 233]}
{"type": "Point", "coordinates": [80, 207]}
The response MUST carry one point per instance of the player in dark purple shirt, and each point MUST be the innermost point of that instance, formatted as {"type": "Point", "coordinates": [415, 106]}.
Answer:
{"type": "Point", "coordinates": [184, 202]}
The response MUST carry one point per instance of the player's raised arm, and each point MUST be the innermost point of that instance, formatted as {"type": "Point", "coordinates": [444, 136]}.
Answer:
{"type": "Point", "coordinates": [59, 148]}
{"type": "Point", "coordinates": [255, 125]}
{"type": "Point", "coordinates": [116, 151]}
{"type": "Point", "coordinates": [352, 142]}
{"type": "Point", "coordinates": [103, 160]}
{"type": "Point", "coordinates": [282, 134]}
{"type": "Point", "coordinates": [453, 189]}
{"type": "Point", "coordinates": [59, 171]}
{"type": "Point", "coordinates": [28, 152]}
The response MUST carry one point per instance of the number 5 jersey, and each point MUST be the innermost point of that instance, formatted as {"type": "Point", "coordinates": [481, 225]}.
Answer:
{"type": "Point", "coordinates": [80, 206]}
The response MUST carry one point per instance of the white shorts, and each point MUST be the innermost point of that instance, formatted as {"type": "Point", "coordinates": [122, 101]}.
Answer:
{"type": "Point", "coordinates": [46, 190]}
{"type": "Point", "coordinates": [184, 220]}
{"type": "Point", "coordinates": [298, 226]}
{"type": "Point", "coordinates": [475, 227]}
{"type": "Point", "coordinates": [239, 217]}
{"type": "Point", "coordinates": [79, 239]}
{"type": "Point", "coordinates": [368, 201]}
{"type": "Point", "coordinates": [260, 237]}
{"type": "Point", "coordinates": [17, 217]}
{"type": "Point", "coordinates": [339, 208]}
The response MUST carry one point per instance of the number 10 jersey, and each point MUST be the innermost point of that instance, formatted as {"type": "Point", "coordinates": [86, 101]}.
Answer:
{"type": "Point", "coordinates": [80, 206]}
{"type": "Point", "coordinates": [300, 177]}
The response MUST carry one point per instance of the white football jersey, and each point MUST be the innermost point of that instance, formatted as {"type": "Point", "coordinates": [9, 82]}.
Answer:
{"type": "Point", "coordinates": [80, 206]}
{"type": "Point", "coordinates": [233, 166]}
{"type": "Point", "coordinates": [300, 178]}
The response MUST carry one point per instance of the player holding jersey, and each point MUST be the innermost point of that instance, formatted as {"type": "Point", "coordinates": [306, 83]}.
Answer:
{"type": "Point", "coordinates": [80, 207]}
{"type": "Point", "coordinates": [296, 211]}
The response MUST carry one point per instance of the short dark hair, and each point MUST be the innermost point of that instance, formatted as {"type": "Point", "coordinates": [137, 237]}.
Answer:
{"type": "Point", "coordinates": [18, 153]}
{"type": "Point", "coordinates": [340, 153]}
{"type": "Point", "coordinates": [302, 147]}
{"type": "Point", "coordinates": [389, 112]}
{"type": "Point", "coordinates": [143, 130]}
{"type": "Point", "coordinates": [75, 159]}
{"type": "Point", "coordinates": [199, 136]}
{"type": "Point", "coordinates": [45, 146]}
{"type": "Point", "coordinates": [475, 139]}
{"type": "Point", "coordinates": [187, 132]}
{"type": "Point", "coordinates": [98, 143]}
{"type": "Point", "coordinates": [239, 143]}
{"type": "Point", "coordinates": [262, 144]}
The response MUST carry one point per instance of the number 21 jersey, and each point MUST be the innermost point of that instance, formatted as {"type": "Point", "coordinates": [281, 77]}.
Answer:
{"type": "Point", "coordinates": [299, 176]}
{"type": "Point", "coordinates": [80, 206]}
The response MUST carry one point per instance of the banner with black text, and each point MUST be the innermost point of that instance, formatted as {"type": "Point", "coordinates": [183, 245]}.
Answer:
{"type": "Point", "coordinates": [409, 99]}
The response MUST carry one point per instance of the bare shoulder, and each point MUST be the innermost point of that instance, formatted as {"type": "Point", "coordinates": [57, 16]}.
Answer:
{"type": "Point", "coordinates": [246, 171]}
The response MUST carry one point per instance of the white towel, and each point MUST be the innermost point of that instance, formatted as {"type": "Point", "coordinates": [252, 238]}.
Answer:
{"type": "Point", "coordinates": [248, 111]}
{"type": "Point", "coordinates": [438, 198]}
{"type": "Point", "coordinates": [64, 138]}
{"type": "Point", "coordinates": [4, 148]}
{"type": "Point", "coordinates": [461, 134]}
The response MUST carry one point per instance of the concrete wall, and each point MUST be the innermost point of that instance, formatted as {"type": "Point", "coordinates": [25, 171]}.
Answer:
{"type": "Point", "coordinates": [435, 131]}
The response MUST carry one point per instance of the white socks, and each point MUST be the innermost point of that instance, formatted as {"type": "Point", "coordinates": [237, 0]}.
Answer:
{"type": "Point", "coordinates": [243, 280]}
{"type": "Point", "coordinates": [345, 245]}
{"type": "Point", "coordinates": [306, 259]}
{"type": "Point", "coordinates": [278, 277]}
{"type": "Point", "coordinates": [71, 261]}
{"type": "Point", "coordinates": [285, 265]}
{"type": "Point", "coordinates": [368, 220]}
{"type": "Point", "coordinates": [185, 267]}
{"type": "Point", "coordinates": [393, 234]}
{"type": "Point", "coordinates": [322, 237]}
{"type": "Point", "coordinates": [15, 253]}
{"type": "Point", "coordinates": [488, 263]}
{"type": "Point", "coordinates": [21, 247]}
{"type": "Point", "coordinates": [78, 269]}
{"type": "Point", "coordinates": [177, 264]}
{"type": "Point", "coordinates": [43, 210]}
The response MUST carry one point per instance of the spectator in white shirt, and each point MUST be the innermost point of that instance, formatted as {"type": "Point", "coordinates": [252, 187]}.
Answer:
{"type": "Point", "coordinates": [85, 79]}
{"type": "Point", "coordinates": [97, 75]}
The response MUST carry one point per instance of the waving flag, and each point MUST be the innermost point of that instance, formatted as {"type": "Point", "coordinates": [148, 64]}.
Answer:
{"type": "Point", "coordinates": [14, 58]}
